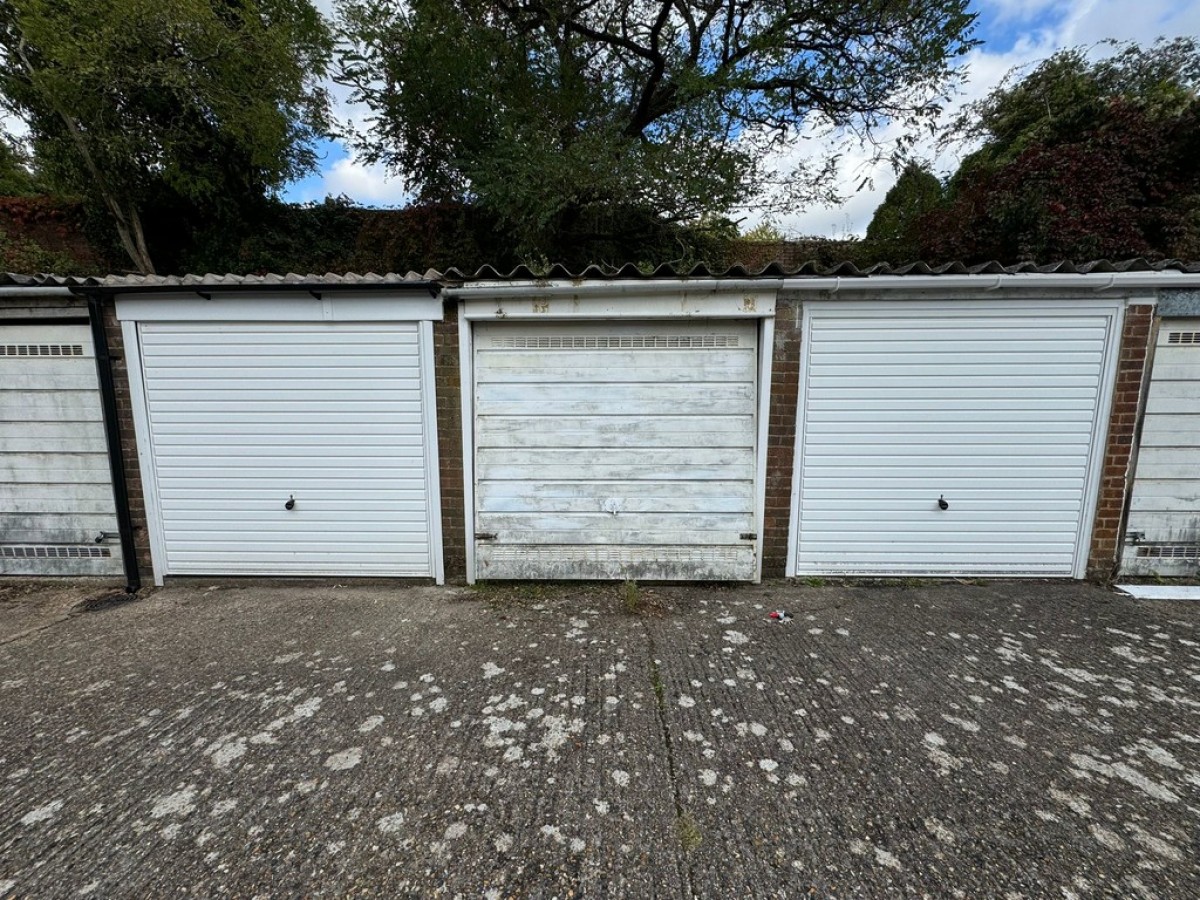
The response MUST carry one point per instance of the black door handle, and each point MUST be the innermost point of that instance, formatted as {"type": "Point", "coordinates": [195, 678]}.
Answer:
{"type": "Point", "coordinates": [291, 503]}
{"type": "Point", "coordinates": [942, 504]}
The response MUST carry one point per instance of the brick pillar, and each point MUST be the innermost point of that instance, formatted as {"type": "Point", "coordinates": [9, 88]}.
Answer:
{"type": "Point", "coordinates": [129, 456]}
{"type": "Point", "coordinates": [1122, 426]}
{"type": "Point", "coordinates": [450, 448]}
{"type": "Point", "coordinates": [781, 437]}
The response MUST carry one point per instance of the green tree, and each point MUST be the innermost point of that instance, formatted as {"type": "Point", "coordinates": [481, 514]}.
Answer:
{"type": "Point", "coordinates": [544, 111]}
{"type": "Point", "coordinates": [1079, 158]}
{"type": "Point", "coordinates": [891, 233]}
{"type": "Point", "coordinates": [17, 178]}
{"type": "Point", "coordinates": [766, 232]}
{"type": "Point", "coordinates": [1071, 92]}
{"type": "Point", "coordinates": [196, 104]}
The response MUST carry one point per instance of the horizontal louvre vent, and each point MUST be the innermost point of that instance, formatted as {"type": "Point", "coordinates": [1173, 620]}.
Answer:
{"type": "Point", "coordinates": [1169, 551]}
{"type": "Point", "coordinates": [54, 551]}
{"type": "Point", "coordinates": [624, 555]}
{"type": "Point", "coordinates": [1184, 337]}
{"type": "Point", "coordinates": [41, 350]}
{"type": "Point", "coordinates": [615, 341]}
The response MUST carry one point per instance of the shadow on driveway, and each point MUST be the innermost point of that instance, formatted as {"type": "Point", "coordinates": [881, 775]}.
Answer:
{"type": "Point", "coordinates": [30, 605]}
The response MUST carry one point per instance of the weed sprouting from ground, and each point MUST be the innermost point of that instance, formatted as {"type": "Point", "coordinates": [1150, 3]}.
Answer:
{"type": "Point", "coordinates": [690, 837]}
{"type": "Point", "coordinates": [631, 598]}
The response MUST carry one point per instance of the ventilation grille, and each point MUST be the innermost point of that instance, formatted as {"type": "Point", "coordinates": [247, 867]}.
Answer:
{"type": "Point", "coordinates": [625, 555]}
{"type": "Point", "coordinates": [1184, 337]}
{"type": "Point", "coordinates": [41, 350]}
{"type": "Point", "coordinates": [55, 551]}
{"type": "Point", "coordinates": [615, 342]}
{"type": "Point", "coordinates": [1169, 551]}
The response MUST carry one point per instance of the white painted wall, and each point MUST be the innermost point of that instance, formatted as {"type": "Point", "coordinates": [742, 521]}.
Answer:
{"type": "Point", "coordinates": [55, 482]}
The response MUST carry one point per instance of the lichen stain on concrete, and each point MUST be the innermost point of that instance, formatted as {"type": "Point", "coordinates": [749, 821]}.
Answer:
{"type": "Point", "coordinates": [180, 803]}
{"type": "Point", "coordinates": [370, 724]}
{"type": "Point", "coordinates": [344, 759]}
{"type": "Point", "coordinates": [42, 813]}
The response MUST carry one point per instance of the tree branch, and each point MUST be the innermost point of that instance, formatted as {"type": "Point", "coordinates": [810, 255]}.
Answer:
{"type": "Point", "coordinates": [136, 249]}
{"type": "Point", "coordinates": [641, 114]}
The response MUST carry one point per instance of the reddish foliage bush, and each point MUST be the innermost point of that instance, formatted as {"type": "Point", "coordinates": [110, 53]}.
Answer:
{"type": "Point", "coordinates": [1129, 187]}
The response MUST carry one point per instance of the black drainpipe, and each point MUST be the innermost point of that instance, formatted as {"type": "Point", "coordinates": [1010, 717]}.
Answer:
{"type": "Point", "coordinates": [116, 464]}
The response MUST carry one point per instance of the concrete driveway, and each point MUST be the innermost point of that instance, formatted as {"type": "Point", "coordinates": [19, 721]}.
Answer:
{"type": "Point", "coordinates": [995, 740]}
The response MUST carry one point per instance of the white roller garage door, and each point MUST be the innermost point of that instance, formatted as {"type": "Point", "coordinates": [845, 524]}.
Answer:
{"type": "Point", "coordinates": [997, 413]}
{"type": "Point", "coordinates": [615, 449]}
{"type": "Point", "coordinates": [243, 419]}
{"type": "Point", "coordinates": [1164, 511]}
{"type": "Point", "coordinates": [56, 494]}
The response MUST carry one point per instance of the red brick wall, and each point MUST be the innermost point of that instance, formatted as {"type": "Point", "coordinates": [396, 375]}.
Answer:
{"type": "Point", "coordinates": [450, 448]}
{"type": "Point", "coordinates": [1114, 482]}
{"type": "Point", "coordinates": [781, 441]}
{"type": "Point", "coordinates": [781, 437]}
{"type": "Point", "coordinates": [129, 458]}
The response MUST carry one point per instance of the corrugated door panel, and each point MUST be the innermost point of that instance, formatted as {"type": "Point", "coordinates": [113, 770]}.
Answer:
{"type": "Point", "coordinates": [244, 417]}
{"type": "Point", "coordinates": [992, 413]}
{"type": "Point", "coordinates": [55, 482]}
{"type": "Point", "coordinates": [1163, 528]}
{"type": "Point", "coordinates": [615, 450]}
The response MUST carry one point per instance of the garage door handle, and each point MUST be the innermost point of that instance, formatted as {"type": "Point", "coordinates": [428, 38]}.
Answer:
{"type": "Point", "coordinates": [942, 504]}
{"type": "Point", "coordinates": [291, 503]}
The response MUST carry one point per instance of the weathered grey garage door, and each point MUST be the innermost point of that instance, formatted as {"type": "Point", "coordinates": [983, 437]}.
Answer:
{"type": "Point", "coordinates": [951, 438]}
{"type": "Point", "coordinates": [57, 515]}
{"type": "Point", "coordinates": [1164, 515]}
{"type": "Point", "coordinates": [615, 450]}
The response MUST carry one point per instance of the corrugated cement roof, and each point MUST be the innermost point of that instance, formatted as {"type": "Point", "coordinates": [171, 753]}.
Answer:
{"type": "Point", "coordinates": [846, 269]}
{"type": "Point", "coordinates": [193, 282]}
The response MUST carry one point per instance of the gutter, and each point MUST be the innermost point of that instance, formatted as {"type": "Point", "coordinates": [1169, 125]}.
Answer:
{"type": "Point", "coordinates": [67, 317]}
{"type": "Point", "coordinates": [13, 291]}
{"type": "Point", "coordinates": [1098, 282]}
{"type": "Point", "coordinates": [108, 402]}
{"type": "Point", "coordinates": [315, 288]}
{"type": "Point", "coordinates": [793, 286]}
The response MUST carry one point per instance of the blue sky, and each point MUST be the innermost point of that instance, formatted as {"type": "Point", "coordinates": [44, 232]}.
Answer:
{"type": "Point", "coordinates": [1014, 32]}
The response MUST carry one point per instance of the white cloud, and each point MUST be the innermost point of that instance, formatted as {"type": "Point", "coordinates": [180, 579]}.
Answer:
{"type": "Point", "coordinates": [14, 126]}
{"type": "Point", "coordinates": [1129, 20]}
{"type": "Point", "coordinates": [368, 184]}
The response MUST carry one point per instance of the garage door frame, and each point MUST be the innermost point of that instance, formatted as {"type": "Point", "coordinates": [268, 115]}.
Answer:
{"type": "Point", "coordinates": [281, 308]}
{"type": "Point", "coordinates": [627, 302]}
{"type": "Point", "coordinates": [903, 303]}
